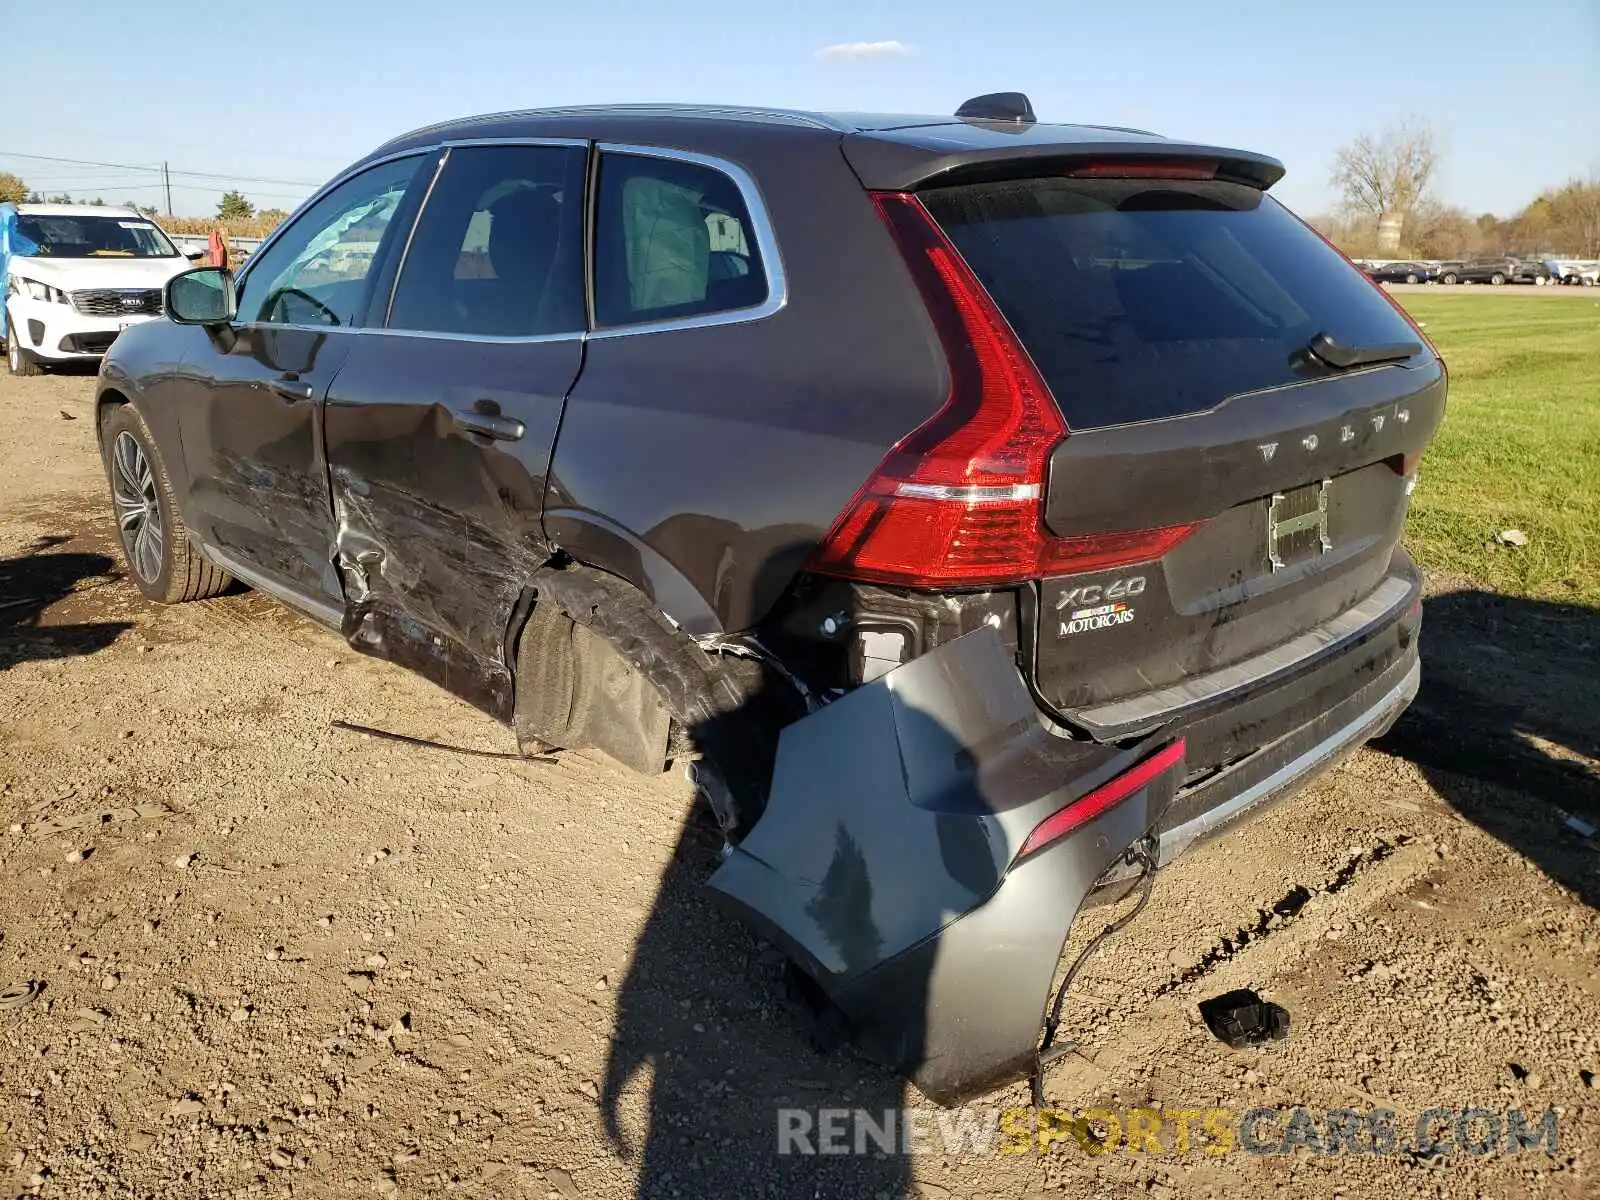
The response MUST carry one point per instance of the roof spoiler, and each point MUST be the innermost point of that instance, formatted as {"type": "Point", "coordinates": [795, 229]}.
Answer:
{"type": "Point", "coordinates": [999, 106]}
{"type": "Point", "coordinates": [899, 163]}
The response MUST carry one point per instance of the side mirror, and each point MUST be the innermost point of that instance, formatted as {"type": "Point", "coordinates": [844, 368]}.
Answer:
{"type": "Point", "coordinates": [196, 253]}
{"type": "Point", "coordinates": [201, 297]}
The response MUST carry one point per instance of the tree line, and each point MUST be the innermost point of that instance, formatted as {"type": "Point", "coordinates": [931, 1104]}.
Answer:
{"type": "Point", "coordinates": [1388, 208]}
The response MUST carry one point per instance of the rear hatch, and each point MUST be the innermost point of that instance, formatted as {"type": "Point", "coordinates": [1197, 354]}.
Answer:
{"type": "Point", "coordinates": [1226, 377]}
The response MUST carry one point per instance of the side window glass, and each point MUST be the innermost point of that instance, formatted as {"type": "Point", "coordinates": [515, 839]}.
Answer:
{"type": "Point", "coordinates": [316, 272]}
{"type": "Point", "coordinates": [674, 239]}
{"type": "Point", "coordinates": [498, 250]}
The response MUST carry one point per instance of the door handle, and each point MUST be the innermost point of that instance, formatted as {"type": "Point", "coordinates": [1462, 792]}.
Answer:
{"type": "Point", "coordinates": [290, 388]}
{"type": "Point", "coordinates": [489, 425]}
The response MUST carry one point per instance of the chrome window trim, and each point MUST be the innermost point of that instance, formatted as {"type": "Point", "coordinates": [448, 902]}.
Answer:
{"type": "Point", "coordinates": [749, 191]}
{"type": "Point", "coordinates": [577, 335]}
{"type": "Point", "coordinates": [761, 228]}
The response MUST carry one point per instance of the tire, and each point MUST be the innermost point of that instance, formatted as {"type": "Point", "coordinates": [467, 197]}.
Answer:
{"type": "Point", "coordinates": [18, 360]}
{"type": "Point", "coordinates": [1448, 277]}
{"type": "Point", "coordinates": [163, 564]}
{"type": "Point", "coordinates": [1497, 279]}
{"type": "Point", "coordinates": [1411, 279]}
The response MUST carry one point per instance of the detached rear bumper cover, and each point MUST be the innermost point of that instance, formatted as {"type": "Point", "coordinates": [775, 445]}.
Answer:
{"type": "Point", "coordinates": [895, 815]}
{"type": "Point", "coordinates": [885, 863]}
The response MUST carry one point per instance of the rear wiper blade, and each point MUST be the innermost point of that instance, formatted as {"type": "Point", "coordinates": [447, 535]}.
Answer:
{"type": "Point", "coordinates": [1336, 354]}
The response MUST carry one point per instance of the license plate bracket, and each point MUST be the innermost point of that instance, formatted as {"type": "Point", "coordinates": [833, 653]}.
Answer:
{"type": "Point", "coordinates": [1297, 525]}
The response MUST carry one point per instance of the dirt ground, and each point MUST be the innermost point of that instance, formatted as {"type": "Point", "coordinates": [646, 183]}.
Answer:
{"type": "Point", "coordinates": [276, 958]}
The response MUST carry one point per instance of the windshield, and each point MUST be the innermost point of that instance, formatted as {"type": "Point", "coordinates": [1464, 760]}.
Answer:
{"type": "Point", "coordinates": [52, 235]}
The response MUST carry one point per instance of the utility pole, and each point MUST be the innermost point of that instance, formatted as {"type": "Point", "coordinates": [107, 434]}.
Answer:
{"type": "Point", "coordinates": [166, 181]}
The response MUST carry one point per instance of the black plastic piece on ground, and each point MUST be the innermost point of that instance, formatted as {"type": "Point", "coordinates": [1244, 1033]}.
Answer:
{"type": "Point", "coordinates": [1241, 1018]}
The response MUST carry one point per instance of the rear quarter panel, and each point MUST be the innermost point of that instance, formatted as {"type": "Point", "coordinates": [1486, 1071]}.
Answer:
{"type": "Point", "coordinates": [726, 452]}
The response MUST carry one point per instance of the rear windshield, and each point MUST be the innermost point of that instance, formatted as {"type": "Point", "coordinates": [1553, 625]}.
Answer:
{"type": "Point", "coordinates": [1140, 299]}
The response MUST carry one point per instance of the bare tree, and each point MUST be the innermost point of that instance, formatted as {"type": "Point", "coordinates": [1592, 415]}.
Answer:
{"type": "Point", "coordinates": [1577, 209]}
{"type": "Point", "coordinates": [1388, 175]}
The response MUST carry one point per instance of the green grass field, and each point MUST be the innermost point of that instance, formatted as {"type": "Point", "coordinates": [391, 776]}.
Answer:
{"type": "Point", "coordinates": [1520, 445]}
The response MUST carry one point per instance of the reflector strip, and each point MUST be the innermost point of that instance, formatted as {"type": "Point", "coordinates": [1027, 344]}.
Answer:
{"type": "Point", "coordinates": [968, 495]}
{"type": "Point", "coordinates": [1081, 811]}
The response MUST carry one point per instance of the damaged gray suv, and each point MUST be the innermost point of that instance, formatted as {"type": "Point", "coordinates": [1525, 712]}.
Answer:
{"type": "Point", "coordinates": [987, 510]}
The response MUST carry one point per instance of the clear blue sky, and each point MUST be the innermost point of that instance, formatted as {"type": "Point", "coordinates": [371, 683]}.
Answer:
{"type": "Point", "coordinates": [294, 89]}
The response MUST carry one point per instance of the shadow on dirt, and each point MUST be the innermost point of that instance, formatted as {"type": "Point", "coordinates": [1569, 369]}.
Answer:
{"type": "Point", "coordinates": [30, 584]}
{"type": "Point", "coordinates": [709, 1024]}
{"type": "Point", "coordinates": [1507, 724]}
{"type": "Point", "coordinates": [699, 1014]}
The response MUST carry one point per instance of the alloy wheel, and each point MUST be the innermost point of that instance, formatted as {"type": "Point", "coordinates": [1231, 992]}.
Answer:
{"type": "Point", "coordinates": [133, 490]}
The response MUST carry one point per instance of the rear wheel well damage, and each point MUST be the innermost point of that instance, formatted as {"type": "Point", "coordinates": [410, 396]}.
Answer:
{"type": "Point", "coordinates": [598, 665]}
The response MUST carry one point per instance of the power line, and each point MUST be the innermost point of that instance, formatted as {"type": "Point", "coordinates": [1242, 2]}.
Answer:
{"type": "Point", "coordinates": [84, 162]}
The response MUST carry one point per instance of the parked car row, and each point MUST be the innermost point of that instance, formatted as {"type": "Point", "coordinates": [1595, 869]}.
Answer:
{"type": "Point", "coordinates": [1493, 271]}
{"type": "Point", "coordinates": [1403, 272]}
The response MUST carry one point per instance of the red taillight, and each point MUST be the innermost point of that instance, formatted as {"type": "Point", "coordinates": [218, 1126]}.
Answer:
{"type": "Point", "coordinates": [1081, 811]}
{"type": "Point", "coordinates": [959, 500]}
{"type": "Point", "coordinates": [1124, 168]}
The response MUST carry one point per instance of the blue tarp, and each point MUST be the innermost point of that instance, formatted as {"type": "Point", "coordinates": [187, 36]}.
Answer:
{"type": "Point", "coordinates": [12, 242]}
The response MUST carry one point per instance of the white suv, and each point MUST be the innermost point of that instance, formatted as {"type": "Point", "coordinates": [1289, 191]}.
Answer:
{"type": "Point", "coordinates": [75, 277]}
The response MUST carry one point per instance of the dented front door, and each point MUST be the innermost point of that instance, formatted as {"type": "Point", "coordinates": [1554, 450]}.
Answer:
{"type": "Point", "coordinates": [249, 405]}
{"type": "Point", "coordinates": [437, 453]}
{"type": "Point", "coordinates": [440, 427]}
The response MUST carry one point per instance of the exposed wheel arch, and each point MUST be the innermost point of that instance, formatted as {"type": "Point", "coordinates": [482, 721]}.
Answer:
{"type": "Point", "coordinates": [581, 623]}
{"type": "Point", "coordinates": [107, 400]}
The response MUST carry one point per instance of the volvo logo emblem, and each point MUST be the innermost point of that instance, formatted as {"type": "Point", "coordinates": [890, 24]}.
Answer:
{"type": "Point", "coordinates": [1268, 449]}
